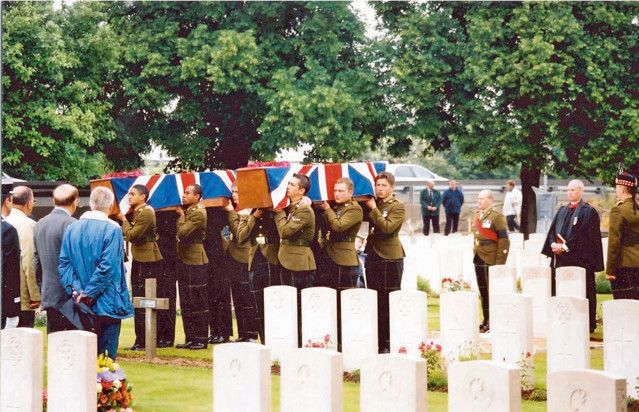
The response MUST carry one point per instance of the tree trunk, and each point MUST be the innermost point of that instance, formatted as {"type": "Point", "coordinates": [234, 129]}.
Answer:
{"type": "Point", "coordinates": [529, 179]}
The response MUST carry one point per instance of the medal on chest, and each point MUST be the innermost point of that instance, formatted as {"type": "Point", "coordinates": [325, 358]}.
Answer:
{"type": "Point", "coordinates": [485, 224]}
{"type": "Point", "coordinates": [385, 213]}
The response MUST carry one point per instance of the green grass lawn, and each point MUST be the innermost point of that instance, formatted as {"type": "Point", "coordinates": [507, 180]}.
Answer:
{"type": "Point", "coordinates": [174, 386]}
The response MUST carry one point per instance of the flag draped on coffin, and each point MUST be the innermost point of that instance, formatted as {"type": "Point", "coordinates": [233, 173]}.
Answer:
{"type": "Point", "coordinates": [166, 190]}
{"type": "Point", "coordinates": [322, 179]}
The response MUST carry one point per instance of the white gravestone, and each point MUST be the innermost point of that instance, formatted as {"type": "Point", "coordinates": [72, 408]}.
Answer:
{"type": "Point", "coordinates": [483, 386]}
{"type": "Point", "coordinates": [21, 370]}
{"type": "Point", "coordinates": [568, 343]}
{"type": "Point", "coordinates": [536, 283]}
{"type": "Point", "coordinates": [311, 380]}
{"type": "Point", "coordinates": [502, 279]}
{"type": "Point", "coordinates": [280, 319]}
{"type": "Point", "coordinates": [71, 371]}
{"type": "Point", "coordinates": [319, 315]}
{"type": "Point", "coordinates": [571, 281]}
{"type": "Point", "coordinates": [430, 268]}
{"type": "Point", "coordinates": [241, 377]}
{"type": "Point", "coordinates": [621, 341]}
{"type": "Point", "coordinates": [408, 320]}
{"type": "Point", "coordinates": [459, 320]}
{"type": "Point", "coordinates": [393, 383]}
{"type": "Point", "coordinates": [450, 262]}
{"type": "Point", "coordinates": [359, 326]}
{"type": "Point", "coordinates": [511, 331]}
{"type": "Point", "coordinates": [586, 391]}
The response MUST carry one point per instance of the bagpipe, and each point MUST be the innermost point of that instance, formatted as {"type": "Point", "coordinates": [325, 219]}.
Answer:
{"type": "Point", "coordinates": [258, 187]}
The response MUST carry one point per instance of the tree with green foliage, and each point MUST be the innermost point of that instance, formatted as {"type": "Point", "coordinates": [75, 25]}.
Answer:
{"type": "Point", "coordinates": [219, 83]}
{"type": "Point", "coordinates": [55, 114]}
{"type": "Point", "coordinates": [541, 85]}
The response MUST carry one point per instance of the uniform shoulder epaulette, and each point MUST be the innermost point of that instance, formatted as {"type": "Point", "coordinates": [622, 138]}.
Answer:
{"type": "Point", "coordinates": [148, 207]}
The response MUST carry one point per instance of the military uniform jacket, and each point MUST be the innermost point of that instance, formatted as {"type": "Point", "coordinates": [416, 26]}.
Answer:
{"type": "Point", "coordinates": [191, 231]}
{"type": "Point", "coordinates": [296, 226]}
{"type": "Point", "coordinates": [343, 222]}
{"type": "Point", "coordinates": [385, 223]}
{"type": "Point", "coordinates": [238, 248]}
{"type": "Point", "coordinates": [623, 237]}
{"type": "Point", "coordinates": [141, 233]}
{"type": "Point", "coordinates": [490, 232]}
{"type": "Point", "coordinates": [261, 233]}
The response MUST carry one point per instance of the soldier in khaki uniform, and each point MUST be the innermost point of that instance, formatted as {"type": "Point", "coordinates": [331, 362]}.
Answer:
{"type": "Point", "coordinates": [343, 219]}
{"type": "Point", "coordinates": [192, 269]}
{"type": "Point", "coordinates": [142, 236]}
{"type": "Point", "coordinates": [491, 245]}
{"type": "Point", "coordinates": [296, 227]}
{"type": "Point", "coordinates": [263, 265]}
{"type": "Point", "coordinates": [622, 267]}
{"type": "Point", "coordinates": [237, 259]}
{"type": "Point", "coordinates": [385, 261]}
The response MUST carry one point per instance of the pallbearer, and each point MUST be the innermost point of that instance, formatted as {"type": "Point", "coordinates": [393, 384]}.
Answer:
{"type": "Point", "coordinates": [193, 269]}
{"type": "Point", "coordinates": [264, 266]}
{"type": "Point", "coordinates": [142, 237]}
{"type": "Point", "coordinates": [343, 220]}
{"type": "Point", "coordinates": [385, 260]}
{"type": "Point", "coordinates": [237, 259]}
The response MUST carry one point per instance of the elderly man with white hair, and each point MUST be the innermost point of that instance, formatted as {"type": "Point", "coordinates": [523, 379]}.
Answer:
{"type": "Point", "coordinates": [574, 239]}
{"type": "Point", "coordinates": [491, 244]}
{"type": "Point", "coordinates": [92, 268]}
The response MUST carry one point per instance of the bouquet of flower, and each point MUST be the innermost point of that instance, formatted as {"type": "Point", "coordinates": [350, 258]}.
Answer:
{"type": "Point", "coordinates": [454, 285]}
{"type": "Point", "coordinates": [113, 393]}
{"type": "Point", "coordinates": [432, 352]}
{"type": "Point", "coordinates": [326, 343]}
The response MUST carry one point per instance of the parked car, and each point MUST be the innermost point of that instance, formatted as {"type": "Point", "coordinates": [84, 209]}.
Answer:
{"type": "Point", "coordinates": [407, 174]}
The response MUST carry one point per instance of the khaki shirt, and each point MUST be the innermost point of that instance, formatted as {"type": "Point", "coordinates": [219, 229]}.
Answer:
{"type": "Point", "coordinates": [25, 226]}
{"type": "Point", "coordinates": [344, 221]}
{"type": "Point", "coordinates": [491, 252]}
{"type": "Point", "coordinates": [261, 233]}
{"type": "Point", "coordinates": [623, 237]}
{"type": "Point", "coordinates": [296, 226]}
{"type": "Point", "coordinates": [191, 232]}
{"type": "Point", "coordinates": [238, 249]}
{"type": "Point", "coordinates": [385, 223]}
{"type": "Point", "coordinates": [141, 233]}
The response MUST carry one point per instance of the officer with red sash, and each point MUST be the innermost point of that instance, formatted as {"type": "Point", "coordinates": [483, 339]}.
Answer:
{"type": "Point", "coordinates": [490, 232]}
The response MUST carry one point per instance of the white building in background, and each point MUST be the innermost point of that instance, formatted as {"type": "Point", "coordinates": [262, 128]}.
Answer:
{"type": "Point", "coordinates": [155, 160]}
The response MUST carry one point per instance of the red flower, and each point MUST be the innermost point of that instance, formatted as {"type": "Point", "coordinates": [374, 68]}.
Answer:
{"type": "Point", "coordinates": [402, 349]}
{"type": "Point", "coordinates": [106, 384]}
{"type": "Point", "coordinates": [438, 347]}
{"type": "Point", "coordinates": [327, 338]}
{"type": "Point", "coordinates": [528, 354]}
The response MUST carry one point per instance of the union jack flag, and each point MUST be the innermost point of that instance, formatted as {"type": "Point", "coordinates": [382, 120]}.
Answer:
{"type": "Point", "coordinates": [322, 177]}
{"type": "Point", "coordinates": [167, 189]}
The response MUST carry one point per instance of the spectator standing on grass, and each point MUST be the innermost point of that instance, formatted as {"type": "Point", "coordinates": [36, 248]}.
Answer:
{"type": "Point", "coordinates": [430, 200]}
{"type": "Point", "coordinates": [452, 199]}
{"type": "Point", "coordinates": [512, 205]}
{"type": "Point", "coordinates": [92, 268]}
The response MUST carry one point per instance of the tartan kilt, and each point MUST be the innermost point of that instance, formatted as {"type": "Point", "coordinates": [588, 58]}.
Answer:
{"type": "Point", "coordinates": [383, 274]}
{"type": "Point", "coordinates": [626, 284]}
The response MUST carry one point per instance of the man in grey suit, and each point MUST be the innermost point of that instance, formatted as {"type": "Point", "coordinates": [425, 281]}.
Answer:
{"type": "Point", "coordinates": [48, 241]}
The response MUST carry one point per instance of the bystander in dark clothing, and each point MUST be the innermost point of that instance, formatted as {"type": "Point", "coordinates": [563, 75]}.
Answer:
{"type": "Point", "coordinates": [452, 199]}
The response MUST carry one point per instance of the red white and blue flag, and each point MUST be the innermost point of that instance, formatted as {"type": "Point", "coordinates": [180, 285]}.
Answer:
{"type": "Point", "coordinates": [167, 189]}
{"type": "Point", "coordinates": [322, 177]}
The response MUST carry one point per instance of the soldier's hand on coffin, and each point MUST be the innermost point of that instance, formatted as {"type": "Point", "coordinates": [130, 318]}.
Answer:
{"type": "Point", "coordinates": [306, 201]}
{"type": "Point", "coordinates": [229, 207]}
{"type": "Point", "coordinates": [370, 203]}
{"type": "Point", "coordinates": [258, 213]}
{"type": "Point", "coordinates": [120, 217]}
{"type": "Point", "coordinates": [324, 205]}
{"type": "Point", "coordinates": [179, 211]}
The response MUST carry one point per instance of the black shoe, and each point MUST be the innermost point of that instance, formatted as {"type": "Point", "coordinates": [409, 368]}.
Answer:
{"type": "Point", "coordinates": [185, 345]}
{"type": "Point", "coordinates": [197, 346]}
{"type": "Point", "coordinates": [484, 328]}
{"type": "Point", "coordinates": [137, 346]}
{"type": "Point", "coordinates": [218, 339]}
{"type": "Point", "coordinates": [164, 344]}
{"type": "Point", "coordinates": [385, 350]}
{"type": "Point", "coordinates": [246, 339]}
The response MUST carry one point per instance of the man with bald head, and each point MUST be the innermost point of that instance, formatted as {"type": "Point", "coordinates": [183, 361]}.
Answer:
{"type": "Point", "coordinates": [491, 244]}
{"type": "Point", "coordinates": [574, 239]}
{"type": "Point", "coordinates": [21, 208]}
{"type": "Point", "coordinates": [48, 241]}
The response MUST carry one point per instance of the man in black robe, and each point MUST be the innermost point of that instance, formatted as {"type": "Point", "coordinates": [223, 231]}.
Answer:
{"type": "Point", "coordinates": [574, 239]}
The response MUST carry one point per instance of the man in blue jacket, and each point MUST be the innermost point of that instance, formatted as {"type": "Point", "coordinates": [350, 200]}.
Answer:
{"type": "Point", "coordinates": [92, 265]}
{"type": "Point", "coordinates": [453, 199]}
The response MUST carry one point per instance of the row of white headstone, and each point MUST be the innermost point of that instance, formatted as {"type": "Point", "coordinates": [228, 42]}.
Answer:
{"type": "Point", "coordinates": [435, 257]}
{"type": "Point", "coordinates": [312, 380]}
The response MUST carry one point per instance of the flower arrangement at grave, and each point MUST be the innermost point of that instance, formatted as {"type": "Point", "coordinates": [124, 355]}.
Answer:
{"type": "Point", "coordinates": [113, 391]}
{"type": "Point", "coordinates": [325, 343]}
{"type": "Point", "coordinates": [435, 366]}
{"type": "Point", "coordinates": [454, 285]}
